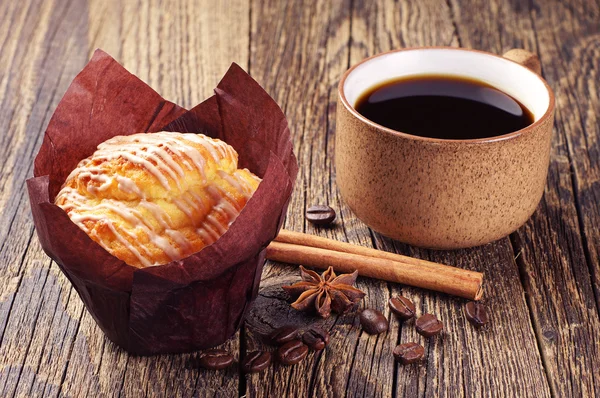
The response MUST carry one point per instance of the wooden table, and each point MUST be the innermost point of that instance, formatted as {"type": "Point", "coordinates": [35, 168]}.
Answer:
{"type": "Point", "coordinates": [543, 281]}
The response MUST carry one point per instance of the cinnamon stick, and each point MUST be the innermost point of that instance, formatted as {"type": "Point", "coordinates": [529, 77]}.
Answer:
{"type": "Point", "coordinates": [318, 252]}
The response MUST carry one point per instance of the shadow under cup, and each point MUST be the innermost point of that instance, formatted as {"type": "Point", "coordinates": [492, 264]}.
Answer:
{"type": "Point", "coordinates": [439, 193]}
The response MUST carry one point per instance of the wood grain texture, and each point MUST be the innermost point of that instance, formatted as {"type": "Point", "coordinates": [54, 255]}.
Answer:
{"type": "Point", "coordinates": [543, 287]}
{"type": "Point", "coordinates": [50, 345]}
{"type": "Point", "coordinates": [488, 360]}
{"type": "Point", "coordinates": [152, 46]}
{"type": "Point", "coordinates": [554, 261]}
{"type": "Point", "coordinates": [376, 27]}
{"type": "Point", "coordinates": [568, 36]}
{"type": "Point", "coordinates": [35, 331]}
{"type": "Point", "coordinates": [309, 43]}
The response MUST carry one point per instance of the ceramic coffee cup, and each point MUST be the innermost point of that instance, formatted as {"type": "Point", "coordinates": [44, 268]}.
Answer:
{"type": "Point", "coordinates": [438, 193]}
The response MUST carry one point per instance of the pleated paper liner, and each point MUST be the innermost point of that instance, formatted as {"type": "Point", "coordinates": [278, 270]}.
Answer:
{"type": "Point", "coordinates": [190, 304]}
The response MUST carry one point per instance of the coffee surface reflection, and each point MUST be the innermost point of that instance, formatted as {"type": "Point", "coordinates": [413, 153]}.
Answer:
{"type": "Point", "coordinates": [441, 106]}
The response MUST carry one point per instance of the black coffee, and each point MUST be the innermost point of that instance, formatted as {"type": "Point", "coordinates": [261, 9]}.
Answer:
{"type": "Point", "coordinates": [439, 106]}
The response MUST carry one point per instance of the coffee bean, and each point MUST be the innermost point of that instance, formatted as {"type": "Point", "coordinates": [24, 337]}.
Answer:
{"type": "Point", "coordinates": [284, 334]}
{"type": "Point", "coordinates": [215, 359]}
{"type": "Point", "coordinates": [476, 313]}
{"type": "Point", "coordinates": [292, 352]}
{"type": "Point", "coordinates": [316, 338]}
{"type": "Point", "coordinates": [256, 361]}
{"type": "Point", "coordinates": [403, 307]}
{"type": "Point", "coordinates": [373, 321]}
{"type": "Point", "coordinates": [428, 325]}
{"type": "Point", "coordinates": [408, 353]}
{"type": "Point", "coordinates": [320, 215]}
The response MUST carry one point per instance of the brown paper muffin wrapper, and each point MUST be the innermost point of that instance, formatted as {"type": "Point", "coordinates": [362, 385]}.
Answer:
{"type": "Point", "coordinates": [190, 304]}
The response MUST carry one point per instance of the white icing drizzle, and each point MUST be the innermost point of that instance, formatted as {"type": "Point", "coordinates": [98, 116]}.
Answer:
{"type": "Point", "coordinates": [130, 247]}
{"type": "Point", "coordinates": [161, 216]}
{"type": "Point", "coordinates": [165, 156]}
{"type": "Point", "coordinates": [227, 208]}
{"type": "Point", "coordinates": [184, 207]}
{"type": "Point", "coordinates": [208, 227]}
{"type": "Point", "coordinates": [199, 202]}
{"type": "Point", "coordinates": [205, 236]}
{"type": "Point", "coordinates": [233, 182]}
{"type": "Point", "coordinates": [128, 186]}
{"type": "Point", "coordinates": [178, 238]}
{"type": "Point", "coordinates": [216, 224]}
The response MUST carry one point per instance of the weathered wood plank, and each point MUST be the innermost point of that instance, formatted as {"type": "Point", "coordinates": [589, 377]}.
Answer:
{"type": "Point", "coordinates": [366, 366]}
{"type": "Point", "coordinates": [50, 345]}
{"type": "Point", "coordinates": [568, 35]}
{"type": "Point", "coordinates": [488, 360]}
{"type": "Point", "coordinates": [182, 50]}
{"type": "Point", "coordinates": [552, 260]}
{"type": "Point", "coordinates": [310, 47]}
{"type": "Point", "coordinates": [377, 27]}
{"type": "Point", "coordinates": [35, 73]}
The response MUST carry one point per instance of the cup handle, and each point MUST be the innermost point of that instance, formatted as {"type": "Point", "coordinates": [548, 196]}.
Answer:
{"type": "Point", "coordinates": [525, 58]}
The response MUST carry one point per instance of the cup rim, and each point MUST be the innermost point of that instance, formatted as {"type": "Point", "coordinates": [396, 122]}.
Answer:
{"type": "Point", "coordinates": [512, 134]}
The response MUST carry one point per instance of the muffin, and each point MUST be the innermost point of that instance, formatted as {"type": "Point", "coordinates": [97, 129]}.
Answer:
{"type": "Point", "coordinates": [114, 208]}
{"type": "Point", "coordinates": [150, 199]}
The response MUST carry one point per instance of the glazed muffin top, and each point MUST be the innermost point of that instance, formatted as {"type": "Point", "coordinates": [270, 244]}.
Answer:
{"type": "Point", "coordinates": [150, 199]}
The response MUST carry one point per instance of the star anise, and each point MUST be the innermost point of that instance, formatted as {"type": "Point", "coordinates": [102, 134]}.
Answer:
{"type": "Point", "coordinates": [325, 293]}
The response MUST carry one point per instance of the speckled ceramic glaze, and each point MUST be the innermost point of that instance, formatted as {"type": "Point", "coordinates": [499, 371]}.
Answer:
{"type": "Point", "coordinates": [435, 193]}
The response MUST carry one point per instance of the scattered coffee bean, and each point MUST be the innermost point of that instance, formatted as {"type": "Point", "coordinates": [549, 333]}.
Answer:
{"type": "Point", "coordinates": [256, 361]}
{"type": "Point", "coordinates": [320, 215]}
{"type": "Point", "coordinates": [373, 321]}
{"type": "Point", "coordinates": [292, 352]}
{"type": "Point", "coordinates": [284, 334]}
{"type": "Point", "coordinates": [215, 359]}
{"type": "Point", "coordinates": [409, 353]}
{"type": "Point", "coordinates": [428, 325]}
{"type": "Point", "coordinates": [476, 313]}
{"type": "Point", "coordinates": [403, 307]}
{"type": "Point", "coordinates": [316, 338]}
